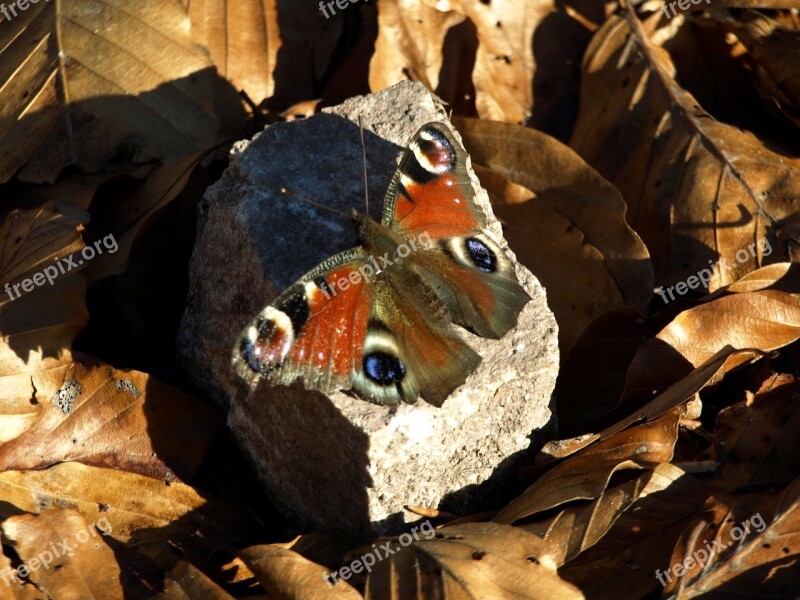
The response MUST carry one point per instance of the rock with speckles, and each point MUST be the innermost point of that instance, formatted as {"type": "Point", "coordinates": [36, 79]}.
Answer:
{"type": "Point", "coordinates": [336, 462]}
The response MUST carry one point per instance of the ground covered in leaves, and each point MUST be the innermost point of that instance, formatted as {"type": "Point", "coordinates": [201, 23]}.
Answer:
{"type": "Point", "coordinates": [644, 160]}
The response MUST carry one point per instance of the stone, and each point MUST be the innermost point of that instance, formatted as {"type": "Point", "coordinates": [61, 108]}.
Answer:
{"type": "Point", "coordinates": [338, 463]}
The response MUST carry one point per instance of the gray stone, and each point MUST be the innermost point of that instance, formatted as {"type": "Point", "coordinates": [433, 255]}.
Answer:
{"type": "Point", "coordinates": [340, 463]}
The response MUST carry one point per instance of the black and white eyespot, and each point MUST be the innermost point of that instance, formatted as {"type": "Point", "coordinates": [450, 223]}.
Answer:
{"type": "Point", "coordinates": [294, 304]}
{"type": "Point", "coordinates": [431, 155]}
{"type": "Point", "coordinates": [477, 251]}
{"type": "Point", "coordinates": [267, 342]}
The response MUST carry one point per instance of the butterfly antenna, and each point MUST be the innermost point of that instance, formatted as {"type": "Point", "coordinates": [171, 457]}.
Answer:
{"type": "Point", "coordinates": [364, 160]}
{"type": "Point", "coordinates": [312, 203]}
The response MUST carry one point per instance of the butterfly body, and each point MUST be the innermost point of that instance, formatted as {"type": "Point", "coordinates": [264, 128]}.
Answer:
{"type": "Point", "coordinates": [377, 318]}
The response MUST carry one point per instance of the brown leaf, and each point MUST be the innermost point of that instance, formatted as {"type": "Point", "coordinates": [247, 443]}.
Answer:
{"type": "Point", "coordinates": [404, 46]}
{"type": "Point", "coordinates": [38, 326]}
{"type": "Point", "coordinates": [64, 555]}
{"type": "Point", "coordinates": [757, 440]}
{"type": "Point", "coordinates": [775, 52]}
{"type": "Point", "coordinates": [585, 475]}
{"type": "Point", "coordinates": [747, 546]}
{"type": "Point", "coordinates": [677, 393]}
{"type": "Point", "coordinates": [699, 191]}
{"type": "Point", "coordinates": [286, 575]}
{"type": "Point", "coordinates": [579, 527]}
{"type": "Point", "coordinates": [106, 87]}
{"type": "Point", "coordinates": [782, 276]}
{"type": "Point", "coordinates": [573, 236]}
{"type": "Point", "coordinates": [639, 541]}
{"type": "Point", "coordinates": [764, 320]}
{"type": "Point", "coordinates": [591, 379]}
{"type": "Point", "coordinates": [122, 419]}
{"type": "Point", "coordinates": [243, 39]}
{"type": "Point", "coordinates": [140, 509]}
{"type": "Point", "coordinates": [185, 582]}
{"type": "Point", "coordinates": [464, 48]}
{"type": "Point", "coordinates": [473, 560]}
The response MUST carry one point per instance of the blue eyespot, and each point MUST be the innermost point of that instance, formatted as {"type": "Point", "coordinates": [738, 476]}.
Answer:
{"type": "Point", "coordinates": [384, 369]}
{"type": "Point", "coordinates": [481, 255]}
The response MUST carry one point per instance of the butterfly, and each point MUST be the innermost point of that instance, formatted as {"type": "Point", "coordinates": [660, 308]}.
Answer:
{"type": "Point", "coordinates": [376, 319]}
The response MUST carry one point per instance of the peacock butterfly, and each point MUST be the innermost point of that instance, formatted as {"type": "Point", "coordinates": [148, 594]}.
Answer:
{"type": "Point", "coordinates": [374, 319]}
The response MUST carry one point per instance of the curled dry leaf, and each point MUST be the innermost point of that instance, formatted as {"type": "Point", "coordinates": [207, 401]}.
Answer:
{"type": "Point", "coordinates": [745, 545]}
{"type": "Point", "coordinates": [66, 556]}
{"type": "Point", "coordinates": [698, 191]}
{"type": "Point", "coordinates": [105, 417]}
{"type": "Point", "coordinates": [185, 582]}
{"type": "Point", "coordinates": [763, 320]}
{"type": "Point", "coordinates": [580, 526]}
{"type": "Point", "coordinates": [757, 440]}
{"type": "Point", "coordinates": [286, 575]}
{"type": "Point", "coordinates": [106, 87]}
{"type": "Point", "coordinates": [472, 560]}
{"type": "Point", "coordinates": [676, 394]}
{"type": "Point", "coordinates": [573, 235]}
{"type": "Point", "coordinates": [585, 475]}
{"type": "Point", "coordinates": [640, 539]}
{"type": "Point", "coordinates": [775, 52]}
{"type": "Point", "coordinates": [37, 327]}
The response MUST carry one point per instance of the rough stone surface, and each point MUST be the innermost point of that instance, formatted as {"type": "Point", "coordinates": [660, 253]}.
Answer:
{"type": "Point", "coordinates": [338, 462]}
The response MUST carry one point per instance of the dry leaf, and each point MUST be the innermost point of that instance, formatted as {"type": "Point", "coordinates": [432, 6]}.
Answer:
{"type": "Point", "coordinates": [103, 87]}
{"type": "Point", "coordinates": [763, 320]}
{"type": "Point", "coordinates": [573, 235]}
{"type": "Point", "coordinates": [286, 575]}
{"type": "Point", "coordinates": [698, 191]}
{"type": "Point", "coordinates": [747, 546]}
{"type": "Point", "coordinates": [640, 539]}
{"type": "Point", "coordinates": [757, 440]}
{"type": "Point", "coordinates": [591, 379]}
{"type": "Point", "coordinates": [140, 509]}
{"type": "Point", "coordinates": [185, 582]}
{"type": "Point", "coordinates": [586, 474]}
{"type": "Point", "coordinates": [580, 526]}
{"type": "Point", "coordinates": [38, 326]}
{"type": "Point", "coordinates": [243, 39]}
{"type": "Point", "coordinates": [64, 555]}
{"type": "Point", "coordinates": [775, 52]}
{"type": "Point", "coordinates": [473, 560]}
{"type": "Point", "coordinates": [112, 418]}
